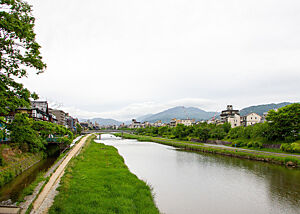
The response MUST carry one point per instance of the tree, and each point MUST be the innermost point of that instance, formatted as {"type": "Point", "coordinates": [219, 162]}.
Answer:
{"type": "Point", "coordinates": [78, 128]}
{"type": "Point", "coordinates": [24, 135]}
{"type": "Point", "coordinates": [202, 132]}
{"type": "Point", "coordinates": [284, 124]}
{"type": "Point", "coordinates": [18, 52]}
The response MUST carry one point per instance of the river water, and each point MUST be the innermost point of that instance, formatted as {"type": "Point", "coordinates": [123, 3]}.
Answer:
{"type": "Point", "coordinates": [189, 182]}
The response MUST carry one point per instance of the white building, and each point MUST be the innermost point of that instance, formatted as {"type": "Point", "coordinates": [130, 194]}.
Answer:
{"type": "Point", "coordinates": [234, 120]}
{"type": "Point", "coordinates": [231, 116]}
{"type": "Point", "coordinates": [187, 122]}
{"type": "Point", "coordinates": [251, 119]}
{"type": "Point", "coordinates": [135, 124]}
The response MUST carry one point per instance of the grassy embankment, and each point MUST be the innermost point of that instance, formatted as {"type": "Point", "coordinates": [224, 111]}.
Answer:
{"type": "Point", "coordinates": [252, 155]}
{"type": "Point", "coordinates": [14, 162]}
{"type": "Point", "coordinates": [98, 181]}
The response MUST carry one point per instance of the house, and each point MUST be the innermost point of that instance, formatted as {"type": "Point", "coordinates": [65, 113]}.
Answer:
{"type": "Point", "coordinates": [187, 122]}
{"type": "Point", "coordinates": [251, 119]}
{"type": "Point", "coordinates": [231, 116]}
{"type": "Point", "coordinates": [135, 124]}
{"type": "Point", "coordinates": [38, 111]}
{"type": "Point", "coordinates": [146, 124]}
{"type": "Point", "coordinates": [60, 115]}
{"type": "Point", "coordinates": [158, 123]}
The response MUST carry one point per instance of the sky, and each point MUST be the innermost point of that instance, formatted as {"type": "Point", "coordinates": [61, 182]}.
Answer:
{"type": "Point", "coordinates": [122, 59]}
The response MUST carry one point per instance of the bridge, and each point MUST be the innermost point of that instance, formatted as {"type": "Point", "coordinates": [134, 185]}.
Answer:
{"type": "Point", "coordinates": [107, 131]}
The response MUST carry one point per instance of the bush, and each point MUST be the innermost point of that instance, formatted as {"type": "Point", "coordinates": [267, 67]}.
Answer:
{"type": "Point", "coordinates": [287, 147]}
{"type": "Point", "coordinates": [250, 144]}
{"type": "Point", "coordinates": [257, 145]}
{"type": "Point", "coordinates": [296, 147]}
{"type": "Point", "coordinates": [240, 143]}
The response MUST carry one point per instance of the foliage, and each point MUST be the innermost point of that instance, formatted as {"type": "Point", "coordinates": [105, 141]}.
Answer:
{"type": "Point", "coordinates": [273, 158]}
{"type": "Point", "coordinates": [287, 147]}
{"type": "Point", "coordinates": [202, 132]}
{"type": "Point", "coordinates": [218, 132]}
{"type": "Point", "coordinates": [236, 132]}
{"type": "Point", "coordinates": [78, 128]}
{"type": "Point", "coordinates": [226, 127]}
{"type": "Point", "coordinates": [31, 135]}
{"type": "Point", "coordinates": [18, 51]}
{"type": "Point", "coordinates": [284, 124]}
{"type": "Point", "coordinates": [24, 135]}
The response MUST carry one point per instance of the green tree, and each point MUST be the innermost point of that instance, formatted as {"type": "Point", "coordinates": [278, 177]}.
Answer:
{"type": "Point", "coordinates": [18, 52]}
{"type": "Point", "coordinates": [217, 132]}
{"type": "Point", "coordinates": [78, 128]}
{"type": "Point", "coordinates": [22, 133]}
{"type": "Point", "coordinates": [202, 132]}
{"type": "Point", "coordinates": [284, 124]}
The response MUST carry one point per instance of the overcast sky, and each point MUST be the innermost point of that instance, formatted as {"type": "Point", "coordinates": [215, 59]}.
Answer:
{"type": "Point", "coordinates": [125, 58]}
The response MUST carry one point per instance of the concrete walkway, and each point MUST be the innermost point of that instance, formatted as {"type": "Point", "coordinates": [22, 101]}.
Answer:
{"type": "Point", "coordinates": [54, 179]}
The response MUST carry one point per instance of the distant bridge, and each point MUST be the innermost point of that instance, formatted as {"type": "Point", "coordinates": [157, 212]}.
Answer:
{"type": "Point", "coordinates": [108, 131]}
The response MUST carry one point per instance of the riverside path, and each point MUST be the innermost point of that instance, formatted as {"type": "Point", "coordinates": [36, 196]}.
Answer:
{"type": "Point", "coordinates": [39, 206]}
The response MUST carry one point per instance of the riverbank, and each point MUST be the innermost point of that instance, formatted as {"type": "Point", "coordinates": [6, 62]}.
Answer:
{"type": "Point", "coordinates": [281, 159]}
{"type": "Point", "coordinates": [15, 162]}
{"type": "Point", "coordinates": [98, 181]}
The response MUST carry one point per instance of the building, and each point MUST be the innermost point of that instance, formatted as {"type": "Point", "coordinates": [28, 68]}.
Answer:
{"type": "Point", "coordinates": [38, 111]}
{"type": "Point", "coordinates": [60, 115]}
{"type": "Point", "coordinates": [231, 116]}
{"type": "Point", "coordinates": [158, 123]}
{"type": "Point", "coordinates": [250, 119]}
{"type": "Point", "coordinates": [135, 124]}
{"type": "Point", "coordinates": [187, 122]}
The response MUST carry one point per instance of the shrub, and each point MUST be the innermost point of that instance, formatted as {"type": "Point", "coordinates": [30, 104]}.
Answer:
{"type": "Point", "coordinates": [240, 143]}
{"type": "Point", "coordinates": [257, 145]}
{"type": "Point", "coordinates": [286, 147]}
{"type": "Point", "coordinates": [296, 147]}
{"type": "Point", "coordinates": [250, 144]}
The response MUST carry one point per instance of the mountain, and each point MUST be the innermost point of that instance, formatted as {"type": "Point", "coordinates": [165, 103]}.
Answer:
{"type": "Point", "coordinates": [179, 112]}
{"type": "Point", "coordinates": [260, 109]}
{"type": "Point", "coordinates": [104, 122]}
{"type": "Point", "coordinates": [142, 118]}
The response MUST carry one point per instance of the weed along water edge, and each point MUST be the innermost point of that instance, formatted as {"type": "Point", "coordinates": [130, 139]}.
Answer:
{"type": "Point", "coordinates": [190, 182]}
{"type": "Point", "coordinates": [98, 181]}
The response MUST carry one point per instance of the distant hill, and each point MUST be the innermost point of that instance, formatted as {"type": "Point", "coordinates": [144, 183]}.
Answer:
{"type": "Point", "coordinates": [142, 118]}
{"type": "Point", "coordinates": [260, 109]}
{"type": "Point", "coordinates": [179, 112]}
{"type": "Point", "coordinates": [104, 122]}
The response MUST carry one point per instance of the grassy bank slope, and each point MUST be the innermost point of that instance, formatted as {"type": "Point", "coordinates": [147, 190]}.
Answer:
{"type": "Point", "coordinates": [98, 181]}
{"type": "Point", "coordinates": [282, 159]}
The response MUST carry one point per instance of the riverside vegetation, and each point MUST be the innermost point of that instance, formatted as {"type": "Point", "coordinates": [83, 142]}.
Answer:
{"type": "Point", "coordinates": [98, 181]}
{"type": "Point", "coordinates": [200, 147]}
{"type": "Point", "coordinates": [282, 127]}
{"type": "Point", "coordinates": [28, 146]}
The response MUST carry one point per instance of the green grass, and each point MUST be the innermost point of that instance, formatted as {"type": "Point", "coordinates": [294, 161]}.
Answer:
{"type": "Point", "coordinates": [98, 181]}
{"type": "Point", "coordinates": [186, 145]}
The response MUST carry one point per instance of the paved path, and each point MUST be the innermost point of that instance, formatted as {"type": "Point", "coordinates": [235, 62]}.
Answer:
{"type": "Point", "coordinates": [54, 179]}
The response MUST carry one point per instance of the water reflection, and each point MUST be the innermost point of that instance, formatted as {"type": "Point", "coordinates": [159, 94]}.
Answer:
{"type": "Point", "coordinates": [187, 182]}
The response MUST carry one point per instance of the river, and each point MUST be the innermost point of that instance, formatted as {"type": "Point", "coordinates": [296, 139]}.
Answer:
{"type": "Point", "coordinates": [189, 182]}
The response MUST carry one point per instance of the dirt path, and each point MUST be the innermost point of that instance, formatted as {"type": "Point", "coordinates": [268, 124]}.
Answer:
{"type": "Point", "coordinates": [45, 198]}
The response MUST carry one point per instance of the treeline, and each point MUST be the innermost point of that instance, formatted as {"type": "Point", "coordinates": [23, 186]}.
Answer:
{"type": "Point", "coordinates": [282, 126]}
{"type": "Point", "coordinates": [31, 136]}
{"type": "Point", "coordinates": [202, 131]}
